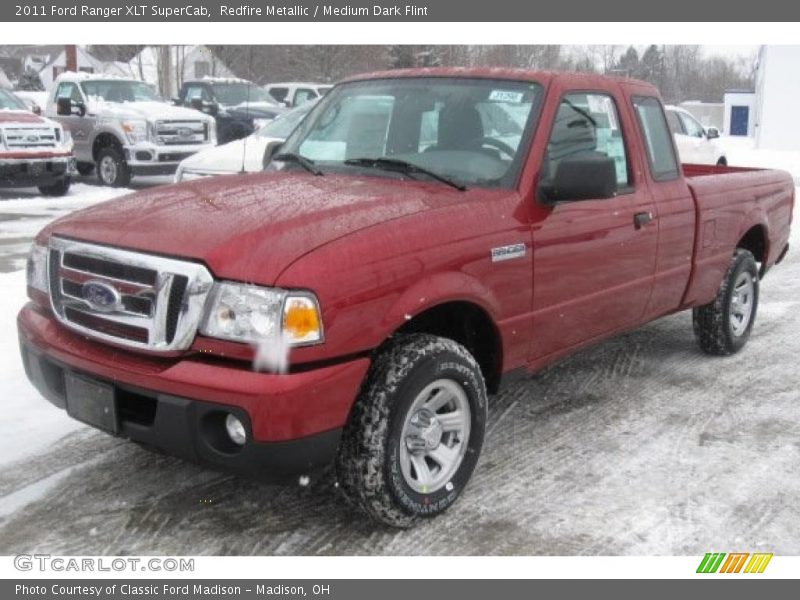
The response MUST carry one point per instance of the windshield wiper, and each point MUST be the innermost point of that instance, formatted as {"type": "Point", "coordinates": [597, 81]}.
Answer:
{"type": "Point", "coordinates": [402, 166]}
{"type": "Point", "coordinates": [299, 159]}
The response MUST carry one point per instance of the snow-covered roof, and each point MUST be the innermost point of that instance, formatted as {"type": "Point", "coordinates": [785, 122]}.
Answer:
{"type": "Point", "coordinates": [82, 76]}
{"type": "Point", "coordinates": [210, 79]}
{"type": "Point", "coordinates": [299, 83]}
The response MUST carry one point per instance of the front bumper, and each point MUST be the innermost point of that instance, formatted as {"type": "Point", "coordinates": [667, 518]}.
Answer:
{"type": "Point", "coordinates": [152, 159]}
{"type": "Point", "coordinates": [293, 421]}
{"type": "Point", "coordinates": [31, 172]}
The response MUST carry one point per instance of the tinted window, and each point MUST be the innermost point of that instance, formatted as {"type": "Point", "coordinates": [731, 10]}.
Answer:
{"type": "Point", "coordinates": [693, 128]}
{"type": "Point", "coordinates": [674, 121]}
{"type": "Point", "coordinates": [586, 125]}
{"type": "Point", "coordinates": [279, 93]}
{"type": "Point", "coordinates": [657, 138]}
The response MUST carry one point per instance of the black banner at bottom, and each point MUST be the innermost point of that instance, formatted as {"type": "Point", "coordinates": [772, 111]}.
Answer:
{"type": "Point", "coordinates": [382, 589]}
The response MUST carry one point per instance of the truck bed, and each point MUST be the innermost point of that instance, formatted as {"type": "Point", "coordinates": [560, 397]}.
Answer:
{"type": "Point", "coordinates": [730, 202]}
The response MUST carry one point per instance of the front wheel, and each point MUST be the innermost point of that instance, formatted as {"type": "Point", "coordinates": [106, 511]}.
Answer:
{"type": "Point", "coordinates": [415, 432]}
{"type": "Point", "coordinates": [59, 188]}
{"type": "Point", "coordinates": [112, 170]}
{"type": "Point", "coordinates": [723, 326]}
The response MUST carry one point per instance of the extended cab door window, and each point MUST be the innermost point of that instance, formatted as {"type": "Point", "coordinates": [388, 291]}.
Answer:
{"type": "Point", "coordinates": [693, 128]}
{"type": "Point", "coordinates": [69, 90]}
{"type": "Point", "coordinates": [196, 92]}
{"type": "Point", "coordinates": [586, 125]}
{"type": "Point", "coordinates": [657, 138]}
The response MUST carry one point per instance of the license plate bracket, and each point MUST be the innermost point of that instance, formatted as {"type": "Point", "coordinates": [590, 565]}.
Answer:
{"type": "Point", "coordinates": [91, 402]}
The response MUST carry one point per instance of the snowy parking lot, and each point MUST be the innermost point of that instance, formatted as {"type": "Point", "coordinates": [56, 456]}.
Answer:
{"type": "Point", "coordinates": [639, 445]}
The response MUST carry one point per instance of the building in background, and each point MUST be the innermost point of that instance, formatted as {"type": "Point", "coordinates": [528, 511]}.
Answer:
{"type": "Point", "coordinates": [740, 118]}
{"type": "Point", "coordinates": [777, 126]}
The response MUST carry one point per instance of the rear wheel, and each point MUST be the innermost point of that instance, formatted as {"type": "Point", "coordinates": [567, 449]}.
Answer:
{"type": "Point", "coordinates": [59, 188]}
{"type": "Point", "coordinates": [112, 170]}
{"type": "Point", "coordinates": [723, 326]}
{"type": "Point", "coordinates": [416, 431]}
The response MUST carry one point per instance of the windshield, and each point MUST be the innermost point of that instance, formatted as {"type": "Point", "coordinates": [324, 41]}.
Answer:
{"type": "Point", "coordinates": [119, 90]}
{"type": "Point", "coordinates": [10, 101]}
{"type": "Point", "coordinates": [469, 131]}
{"type": "Point", "coordinates": [284, 124]}
{"type": "Point", "coordinates": [232, 94]}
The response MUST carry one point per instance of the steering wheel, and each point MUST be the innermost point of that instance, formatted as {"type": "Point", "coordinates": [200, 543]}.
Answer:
{"type": "Point", "coordinates": [495, 143]}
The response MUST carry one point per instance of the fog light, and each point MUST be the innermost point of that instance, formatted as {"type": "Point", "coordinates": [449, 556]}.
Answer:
{"type": "Point", "coordinates": [235, 430]}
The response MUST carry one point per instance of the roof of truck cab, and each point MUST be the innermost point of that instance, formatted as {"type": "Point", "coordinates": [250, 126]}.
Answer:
{"type": "Point", "coordinates": [566, 77]}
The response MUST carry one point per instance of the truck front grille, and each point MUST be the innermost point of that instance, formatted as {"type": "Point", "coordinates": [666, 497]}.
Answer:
{"type": "Point", "coordinates": [30, 137]}
{"type": "Point", "coordinates": [127, 298]}
{"type": "Point", "coordinates": [181, 132]}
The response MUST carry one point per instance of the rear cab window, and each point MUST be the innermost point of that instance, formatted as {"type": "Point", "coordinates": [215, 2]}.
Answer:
{"type": "Point", "coordinates": [657, 138]}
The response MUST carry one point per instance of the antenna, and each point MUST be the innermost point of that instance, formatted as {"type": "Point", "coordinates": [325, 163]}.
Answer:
{"type": "Point", "coordinates": [247, 110]}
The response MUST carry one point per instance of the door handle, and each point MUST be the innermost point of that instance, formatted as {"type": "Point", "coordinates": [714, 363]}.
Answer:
{"type": "Point", "coordinates": [641, 219]}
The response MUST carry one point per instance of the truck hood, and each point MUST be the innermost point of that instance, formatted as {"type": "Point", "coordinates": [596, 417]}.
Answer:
{"type": "Point", "coordinates": [22, 116]}
{"type": "Point", "coordinates": [145, 110]}
{"type": "Point", "coordinates": [249, 227]}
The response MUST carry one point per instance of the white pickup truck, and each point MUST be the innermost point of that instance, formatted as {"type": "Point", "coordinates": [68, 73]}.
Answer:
{"type": "Point", "coordinates": [123, 128]}
{"type": "Point", "coordinates": [34, 151]}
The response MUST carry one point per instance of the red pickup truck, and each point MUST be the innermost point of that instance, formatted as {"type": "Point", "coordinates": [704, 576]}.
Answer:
{"type": "Point", "coordinates": [422, 237]}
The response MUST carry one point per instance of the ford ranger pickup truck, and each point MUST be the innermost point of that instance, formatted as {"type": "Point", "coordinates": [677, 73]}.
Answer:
{"type": "Point", "coordinates": [419, 239]}
{"type": "Point", "coordinates": [123, 128]}
{"type": "Point", "coordinates": [34, 151]}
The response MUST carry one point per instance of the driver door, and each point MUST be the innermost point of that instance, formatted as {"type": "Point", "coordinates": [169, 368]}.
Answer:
{"type": "Point", "coordinates": [594, 260]}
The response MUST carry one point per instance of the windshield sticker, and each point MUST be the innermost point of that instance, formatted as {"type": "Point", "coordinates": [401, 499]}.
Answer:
{"type": "Point", "coordinates": [506, 96]}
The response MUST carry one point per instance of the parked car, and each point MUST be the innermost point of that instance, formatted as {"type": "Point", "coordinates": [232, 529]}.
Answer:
{"type": "Point", "coordinates": [239, 106]}
{"type": "Point", "coordinates": [296, 93]}
{"type": "Point", "coordinates": [245, 155]}
{"type": "Point", "coordinates": [356, 302]}
{"type": "Point", "coordinates": [696, 144]}
{"type": "Point", "coordinates": [34, 151]}
{"type": "Point", "coordinates": [122, 127]}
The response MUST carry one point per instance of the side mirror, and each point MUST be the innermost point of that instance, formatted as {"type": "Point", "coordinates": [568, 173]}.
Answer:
{"type": "Point", "coordinates": [211, 108]}
{"type": "Point", "coordinates": [271, 150]}
{"type": "Point", "coordinates": [196, 103]}
{"type": "Point", "coordinates": [64, 107]}
{"type": "Point", "coordinates": [36, 109]}
{"type": "Point", "coordinates": [175, 101]}
{"type": "Point", "coordinates": [581, 178]}
{"type": "Point", "coordinates": [712, 133]}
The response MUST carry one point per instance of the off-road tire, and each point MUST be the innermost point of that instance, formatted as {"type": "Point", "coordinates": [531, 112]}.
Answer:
{"type": "Point", "coordinates": [58, 188]}
{"type": "Point", "coordinates": [368, 465]}
{"type": "Point", "coordinates": [122, 172]}
{"type": "Point", "coordinates": [712, 322]}
{"type": "Point", "coordinates": [85, 169]}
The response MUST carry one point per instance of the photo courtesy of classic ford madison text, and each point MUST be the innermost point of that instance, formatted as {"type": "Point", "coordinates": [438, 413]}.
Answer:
{"type": "Point", "coordinates": [399, 299]}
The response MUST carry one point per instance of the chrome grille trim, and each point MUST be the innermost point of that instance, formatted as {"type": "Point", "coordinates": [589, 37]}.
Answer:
{"type": "Point", "coordinates": [30, 136]}
{"type": "Point", "coordinates": [176, 296]}
{"type": "Point", "coordinates": [181, 132]}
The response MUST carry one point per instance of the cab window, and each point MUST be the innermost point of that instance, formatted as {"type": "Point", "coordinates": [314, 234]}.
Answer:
{"type": "Point", "coordinates": [693, 128]}
{"type": "Point", "coordinates": [587, 124]}
{"type": "Point", "coordinates": [675, 125]}
{"type": "Point", "coordinates": [69, 90]}
{"type": "Point", "coordinates": [657, 138]}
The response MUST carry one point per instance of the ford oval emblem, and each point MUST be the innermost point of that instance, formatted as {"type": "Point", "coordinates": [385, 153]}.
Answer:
{"type": "Point", "coordinates": [100, 296]}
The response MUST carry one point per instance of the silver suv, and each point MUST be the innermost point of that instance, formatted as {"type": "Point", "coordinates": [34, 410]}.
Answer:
{"type": "Point", "coordinates": [121, 127]}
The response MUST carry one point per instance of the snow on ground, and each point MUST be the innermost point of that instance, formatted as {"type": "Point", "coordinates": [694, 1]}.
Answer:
{"type": "Point", "coordinates": [640, 445]}
{"type": "Point", "coordinates": [23, 214]}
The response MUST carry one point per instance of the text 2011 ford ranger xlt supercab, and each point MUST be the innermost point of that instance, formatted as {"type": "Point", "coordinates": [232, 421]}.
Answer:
{"type": "Point", "coordinates": [421, 236]}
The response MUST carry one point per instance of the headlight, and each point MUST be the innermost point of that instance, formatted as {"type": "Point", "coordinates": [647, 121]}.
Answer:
{"type": "Point", "coordinates": [249, 313]}
{"type": "Point", "coordinates": [37, 269]}
{"type": "Point", "coordinates": [135, 129]}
